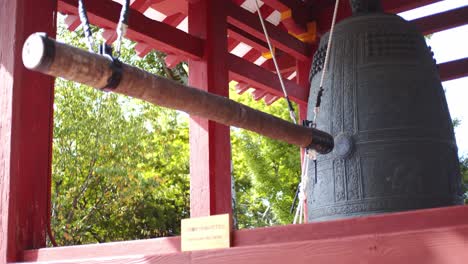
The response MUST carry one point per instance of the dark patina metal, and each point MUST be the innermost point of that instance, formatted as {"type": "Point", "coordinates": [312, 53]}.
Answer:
{"type": "Point", "coordinates": [384, 104]}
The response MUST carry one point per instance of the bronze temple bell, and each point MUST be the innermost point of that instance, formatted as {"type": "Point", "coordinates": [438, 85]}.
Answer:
{"type": "Point", "coordinates": [385, 106]}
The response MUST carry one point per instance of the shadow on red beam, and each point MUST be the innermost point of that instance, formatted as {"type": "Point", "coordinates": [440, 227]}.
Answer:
{"type": "Point", "coordinates": [398, 6]}
{"type": "Point", "coordinates": [250, 23]}
{"type": "Point", "coordinates": [250, 40]}
{"type": "Point", "coordinates": [442, 21]}
{"type": "Point", "coordinates": [258, 77]}
{"type": "Point", "coordinates": [453, 69]}
{"type": "Point", "coordinates": [286, 64]}
{"type": "Point", "coordinates": [323, 10]}
{"type": "Point", "coordinates": [430, 236]}
{"type": "Point", "coordinates": [158, 35]}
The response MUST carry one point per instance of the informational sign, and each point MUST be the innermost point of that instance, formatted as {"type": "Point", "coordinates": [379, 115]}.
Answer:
{"type": "Point", "coordinates": [206, 232]}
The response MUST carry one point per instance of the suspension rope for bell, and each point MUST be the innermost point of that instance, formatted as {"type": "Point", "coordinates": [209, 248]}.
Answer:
{"type": "Point", "coordinates": [292, 113]}
{"type": "Point", "coordinates": [300, 211]}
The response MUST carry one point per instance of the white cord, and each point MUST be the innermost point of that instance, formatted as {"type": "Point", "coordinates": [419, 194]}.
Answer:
{"type": "Point", "coordinates": [330, 37]}
{"type": "Point", "coordinates": [291, 112]}
{"type": "Point", "coordinates": [302, 191]}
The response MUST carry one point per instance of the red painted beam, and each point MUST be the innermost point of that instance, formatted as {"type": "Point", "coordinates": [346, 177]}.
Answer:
{"type": "Point", "coordinates": [249, 23]}
{"type": "Point", "coordinates": [442, 21]}
{"type": "Point", "coordinates": [453, 69]}
{"type": "Point", "coordinates": [26, 116]}
{"type": "Point", "coordinates": [250, 40]}
{"type": "Point", "coordinates": [407, 237]}
{"type": "Point", "coordinates": [140, 5]}
{"type": "Point", "coordinates": [258, 77]}
{"type": "Point", "coordinates": [398, 6]}
{"type": "Point", "coordinates": [285, 63]}
{"type": "Point", "coordinates": [322, 10]}
{"type": "Point", "coordinates": [210, 145]}
{"type": "Point", "coordinates": [158, 35]}
{"type": "Point", "coordinates": [170, 7]}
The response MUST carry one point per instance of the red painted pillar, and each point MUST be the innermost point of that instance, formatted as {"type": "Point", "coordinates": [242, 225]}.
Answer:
{"type": "Point", "coordinates": [210, 151]}
{"type": "Point", "coordinates": [25, 130]}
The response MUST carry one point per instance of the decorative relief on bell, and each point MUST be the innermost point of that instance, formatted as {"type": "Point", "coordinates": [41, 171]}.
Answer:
{"type": "Point", "coordinates": [384, 104]}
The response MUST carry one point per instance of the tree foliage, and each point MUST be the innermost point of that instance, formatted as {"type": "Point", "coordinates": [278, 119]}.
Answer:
{"type": "Point", "coordinates": [266, 171]}
{"type": "Point", "coordinates": [120, 165]}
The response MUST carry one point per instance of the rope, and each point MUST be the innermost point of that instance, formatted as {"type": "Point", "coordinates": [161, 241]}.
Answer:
{"type": "Point", "coordinates": [85, 25]}
{"type": "Point", "coordinates": [302, 192]}
{"type": "Point", "coordinates": [122, 26]}
{"type": "Point", "coordinates": [292, 114]}
{"type": "Point", "coordinates": [313, 154]}
{"type": "Point", "coordinates": [121, 29]}
{"type": "Point", "coordinates": [325, 64]}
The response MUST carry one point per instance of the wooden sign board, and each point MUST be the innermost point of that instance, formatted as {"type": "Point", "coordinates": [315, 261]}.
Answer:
{"type": "Point", "coordinates": [206, 232]}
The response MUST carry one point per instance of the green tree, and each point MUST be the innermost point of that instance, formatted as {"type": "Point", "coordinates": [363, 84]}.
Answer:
{"type": "Point", "coordinates": [266, 171]}
{"type": "Point", "coordinates": [120, 165]}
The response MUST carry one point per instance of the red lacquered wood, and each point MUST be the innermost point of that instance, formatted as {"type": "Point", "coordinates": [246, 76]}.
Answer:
{"type": "Point", "coordinates": [242, 87]}
{"type": "Point", "coordinates": [26, 100]}
{"type": "Point", "coordinates": [397, 6]}
{"type": "Point", "coordinates": [442, 21]}
{"type": "Point", "coordinates": [453, 69]}
{"type": "Point", "coordinates": [170, 7]}
{"type": "Point", "coordinates": [258, 77]}
{"type": "Point", "coordinates": [299, 10]}
{"type": "Point", "coordinates": [175, 19]}
{"type": "Point", "coordinates": [258, 94]}
{"type": "Point", "coordinates": [166, 245]}
{"type": "Point", "coordinates": [72, 22]}
{"type": "Point", "coordinates": [210, 149]}
{"type": "Point", "coordinates": [322, 11]}
{"type": "Point", "coordinates": [269, 99]}
{"type": "Point", "coordinates": [240, 35]}
{"type": "Point", "coordinates": [266, 11]}
{"type": "Point", "coordinates": [140, 5]}
{"type": "Point", "coordinates": [252, 55]}
{"type": "Point", "coordinates": [286, 63]}
{"type": "Point", "coordinates": [425, 236]}
{"type": "Point", "coordinates": [158, 35]}
{"type": "Point", "coordinates": [250, 23]}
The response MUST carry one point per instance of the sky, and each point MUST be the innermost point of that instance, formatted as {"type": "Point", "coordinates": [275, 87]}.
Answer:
{"type": "Point", "coordinates": [450, 45]}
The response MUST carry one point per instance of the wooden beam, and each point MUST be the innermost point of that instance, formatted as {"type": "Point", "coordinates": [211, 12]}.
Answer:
{"type": "Point", "coordinates": [299, 10]}
{"type": "Point", "coordinates": [398, 6]}
{"type": "Point", "coordinates": [453, 69]}
{"type": "Point", "coordinates": [26, 100]}
{"type": "Point", "coordinates": [249, 23]}
{"type": "Point", "coordinates": [210, 147]}
{"type": "Point", "coordinates": [158, 35]}
{"type": "Point", "coordinates": [442, 21]}
{"type": "Point", "coordinates": [285, 62]}
{"type": "Point", "coordinates": [240, 35]}
{"type": "Point", "coordinates": [424, 236]}
{"type": "Point", "coordinates": [322, 10]}
{"type": "Point", "coordinates": [258, 77]}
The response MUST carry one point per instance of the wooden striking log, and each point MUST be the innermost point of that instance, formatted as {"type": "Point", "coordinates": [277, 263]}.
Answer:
{"type": "Point", "coordinates": [61, 60]}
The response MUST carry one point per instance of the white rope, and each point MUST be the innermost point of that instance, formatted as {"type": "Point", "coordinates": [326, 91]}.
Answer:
{"type": "Point", "coordinates": [330, 38]}
{"type": "Point", "coordinates": [292, 114]}
{"type": "Point", "coordinates": [325, 64]}
{"type": "Point", "coordinates": [313, 153]}
{"type": "Point", "coordinates": [302, 191]}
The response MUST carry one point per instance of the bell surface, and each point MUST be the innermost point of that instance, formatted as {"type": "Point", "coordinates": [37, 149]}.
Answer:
{"type": "Point", "coordinates": [383, 102]}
